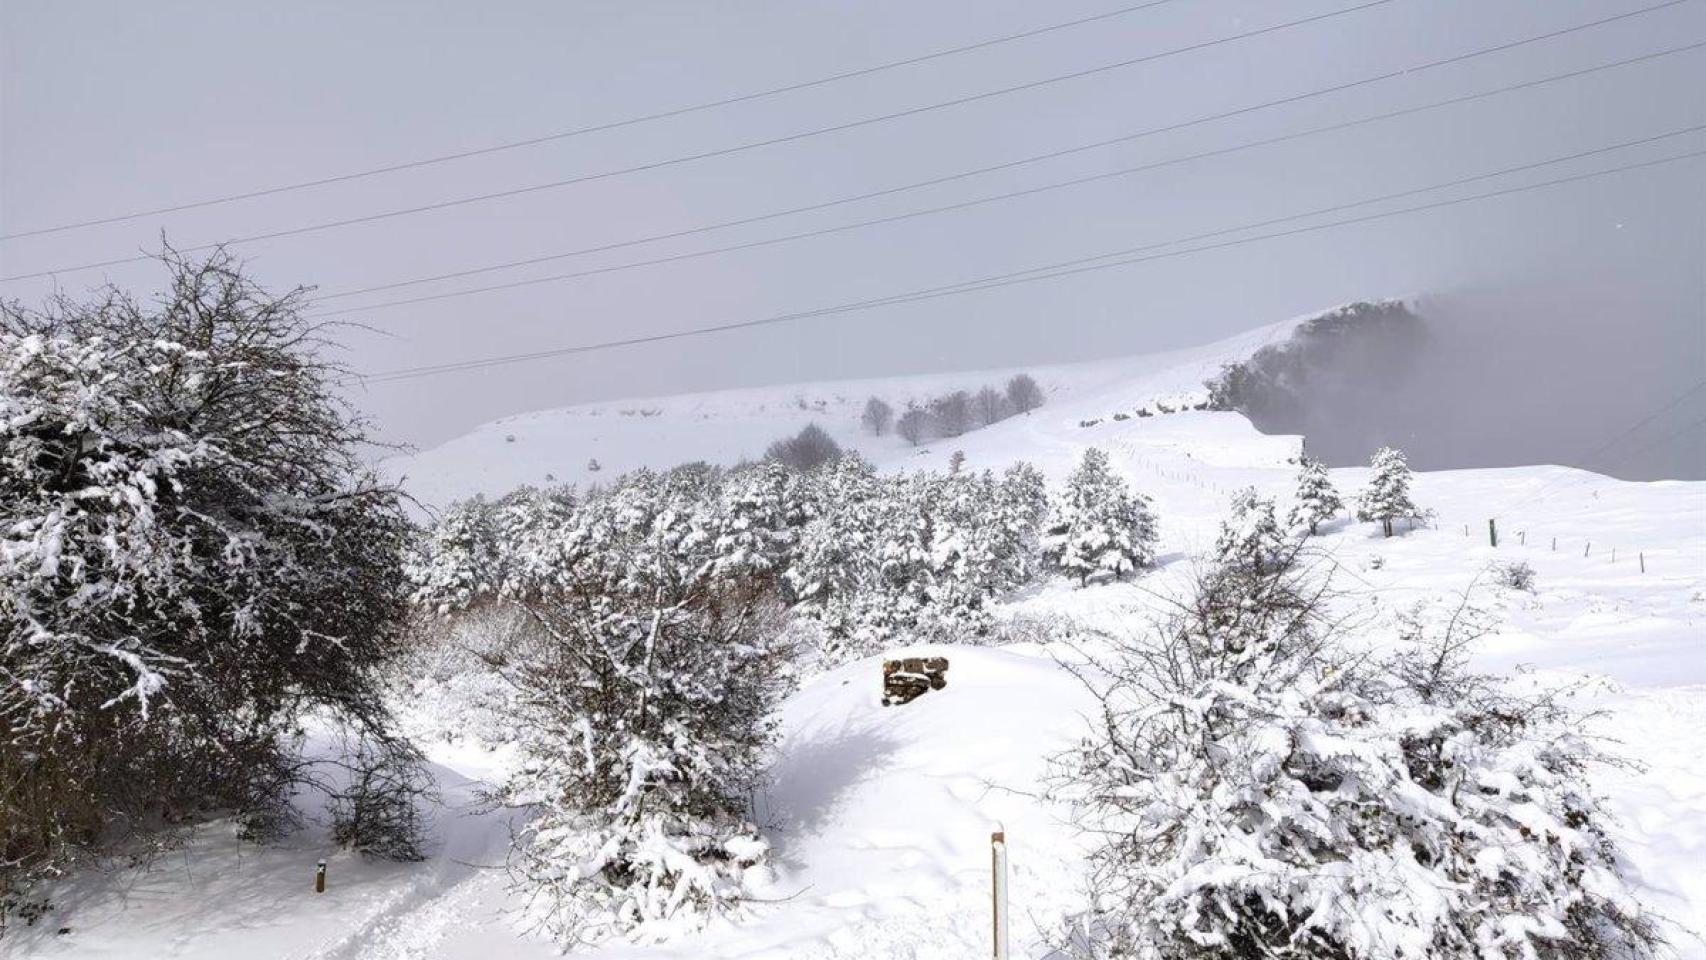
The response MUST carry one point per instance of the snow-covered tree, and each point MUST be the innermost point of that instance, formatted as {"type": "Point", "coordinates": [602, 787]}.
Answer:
{"type": "Point", "coordinates": [1250, 537]}
{"type": "Point", "coordinates": [1264, 793]}
{"type": "Point", "coordinates": [805, 451]}
{"type": "Point", "coordinates": [1023, 393]}
{"type": "Point", "coordinates": [1388, 495]}
{"type": "Point", "coordinates": [1316, 498]}
{"type": "Point", "coordinates": [990, 406]}
{"type": "Point", "coordinates": [462, 561]}
{"type": "Point", "coordinates": [1099, 529]}
{"type": "Point", "coordinates": [913, 425]}
{"type": "Point", "coordinates": [192, 557]}
{"type": "Point", "coordinates": [877, 416]}
{"type": "Point", "coordinates": [646, 683]}
{"type": "Point", "coordinates": [755, 523]}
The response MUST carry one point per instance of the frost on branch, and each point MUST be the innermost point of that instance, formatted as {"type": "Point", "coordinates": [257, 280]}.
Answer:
{"type": "Point", "coordinates": [1264, 793]}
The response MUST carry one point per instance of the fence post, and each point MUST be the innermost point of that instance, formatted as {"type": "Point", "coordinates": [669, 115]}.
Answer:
{"type": "Point", "coordinates": [1587, 547]}
{"type": "Point", "coordinates": [1554, 544]}
{"type": "Point", "coordinates": [320, 878]}
{"type": "Point", "coordinates": [998, 891]}
{"type": "Point", "coordinates": [1493, 532]}
{"type": "Point", "coordinates": [1522, 538]}
{"type": "Point", "coordinates": [1643, 556]}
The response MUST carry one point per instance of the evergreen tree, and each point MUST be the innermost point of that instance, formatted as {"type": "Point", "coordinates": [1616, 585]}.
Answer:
{"type": "Point", "coordinates": [645, 692]}
{"type": "Point", "coordinates": [1317, 499]}
{"type": "Point", "coordinates": [461, 563]}
{"type": "Point", "coordinates": [1388, 495]}
{"type": "Point", "coordinates": [754, 529]}
{"type": "Point", "coordinates": [1250, 537]}
{"type": "Point", "coordinates": [1099, 529]}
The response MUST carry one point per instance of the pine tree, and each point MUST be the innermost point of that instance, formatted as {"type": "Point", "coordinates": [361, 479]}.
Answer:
{"type": "Point", "coordinates": [1099, 529]}
{"type": "Point", "coordinates": [753, 529]}
{"type": "Point", "coordinates": [1388, 495]}
{"type": "Point", "coordinates": [1250, 538]}
{"type": "Point", "coordinates": [1317, 499]}
{"type": "Point", "coordinates": [461, 563]}
{"type": "Point", "coordinates": [645, 695]}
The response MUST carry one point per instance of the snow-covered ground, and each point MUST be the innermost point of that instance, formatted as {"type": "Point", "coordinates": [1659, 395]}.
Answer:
{"type": "Point", "coordinates": [881, 816]}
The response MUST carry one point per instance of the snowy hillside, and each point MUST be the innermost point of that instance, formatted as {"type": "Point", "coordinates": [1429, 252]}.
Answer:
{"type": "Point", "coordinates": [880, 817]}
{"type": "Point", "coordinates": [557, 446]}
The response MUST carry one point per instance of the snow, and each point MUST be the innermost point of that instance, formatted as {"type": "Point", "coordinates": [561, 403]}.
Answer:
{"type": "Point", "coordinates": [880, 817]}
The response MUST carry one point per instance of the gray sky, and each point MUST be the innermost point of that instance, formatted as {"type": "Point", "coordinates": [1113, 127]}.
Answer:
{"type": "Point", "coordinates": [1597, 288]}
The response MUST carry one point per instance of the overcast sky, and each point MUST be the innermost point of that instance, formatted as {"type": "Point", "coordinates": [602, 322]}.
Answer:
{"type": "Point", "coordinates": [110, 108]}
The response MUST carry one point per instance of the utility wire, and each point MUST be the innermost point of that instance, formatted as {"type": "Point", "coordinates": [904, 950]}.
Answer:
{"type": "Point", "coordinates": [978, 201]}
{"type": "Point", "coordinates": [756, 144]}
{"type": "Point", "coordinates": [738, 148]}
{"type": "Point", "coordinates": [1591, 457]}
{"type": "Point", "coordinates": [1053, 271]}
{"type": "Point", "coordinates": [595, 128]}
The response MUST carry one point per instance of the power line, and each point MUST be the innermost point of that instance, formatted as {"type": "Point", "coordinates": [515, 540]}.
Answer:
{"type": "Point", "coordinates": [961, 205]}
{"type": "Point", "coordinates": [752, 144]}
{"type": "Point", "coordinates": [1592, 455]}
{"type": "Point", "coordinates": [595, 128]}
{"type": "Point", "coordinates": [1053, 271]}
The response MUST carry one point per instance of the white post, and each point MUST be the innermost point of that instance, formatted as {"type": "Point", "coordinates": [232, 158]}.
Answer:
{"type": "Point", "coordinates": [998, 890]}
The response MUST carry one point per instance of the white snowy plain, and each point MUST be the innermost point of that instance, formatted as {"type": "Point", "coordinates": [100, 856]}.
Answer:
{"type": "Point", "coordinates": [880, 817]}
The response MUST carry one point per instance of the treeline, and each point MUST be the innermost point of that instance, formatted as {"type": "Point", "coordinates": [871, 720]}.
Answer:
{"type": "Point", "coordinates": [953, 414]}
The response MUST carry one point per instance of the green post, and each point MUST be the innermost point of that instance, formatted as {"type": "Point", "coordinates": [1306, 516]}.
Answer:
{"type": "Point", "coordinates": [1493, 532]}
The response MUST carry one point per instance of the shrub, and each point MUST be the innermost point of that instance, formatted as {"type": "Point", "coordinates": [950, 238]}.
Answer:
{"type": "Point", "coordinates": [1264, 792]}
{"type": "Point", "coordinates": [1515, 575]}
{"type": "Point", "coordinates": [807, 450]}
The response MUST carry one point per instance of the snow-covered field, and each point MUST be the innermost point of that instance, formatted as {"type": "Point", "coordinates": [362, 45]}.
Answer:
{"type": "Point", "coordinates": [881, 816]}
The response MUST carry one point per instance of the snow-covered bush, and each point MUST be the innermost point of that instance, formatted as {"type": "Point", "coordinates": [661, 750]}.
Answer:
{"type": "Point", "coordinates": [1515, 575]}
{"type": "Point", "coordinates": [191, 557]}
{"type": "Point", "coordinates": [1098, 530]}
{"type": "Point", "coordinates": [1316, 499]}
{"type": "Point", "coordinates": [1250, 537]}
{"type": "Point", "coordinates": [1264, 793]}
{"type": "Point", "coordinates": [645, 682]}
{"type": "Point", "coordinates": [1388, 495]}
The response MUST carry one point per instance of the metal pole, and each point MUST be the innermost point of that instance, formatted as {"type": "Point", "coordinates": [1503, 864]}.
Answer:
{"type": "Point", "coordinates": [998, 891]}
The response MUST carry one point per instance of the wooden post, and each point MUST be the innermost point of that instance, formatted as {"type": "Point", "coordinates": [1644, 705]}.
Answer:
{"type": "Point", "coordinates": [320, 878]}
{"type": "Point", "coordinates": [1554, 544]}
{"type": "Point", "coordinates": [1587, 547]}
{"type": "Point", "coordinates": [1493, 532]}
{"type": "Point", "coordinates": [1522, 538]}
{"type": "Point", "coordinates": [1643, 556]}
{"type": "Point", "coordinates": [998, 892]}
